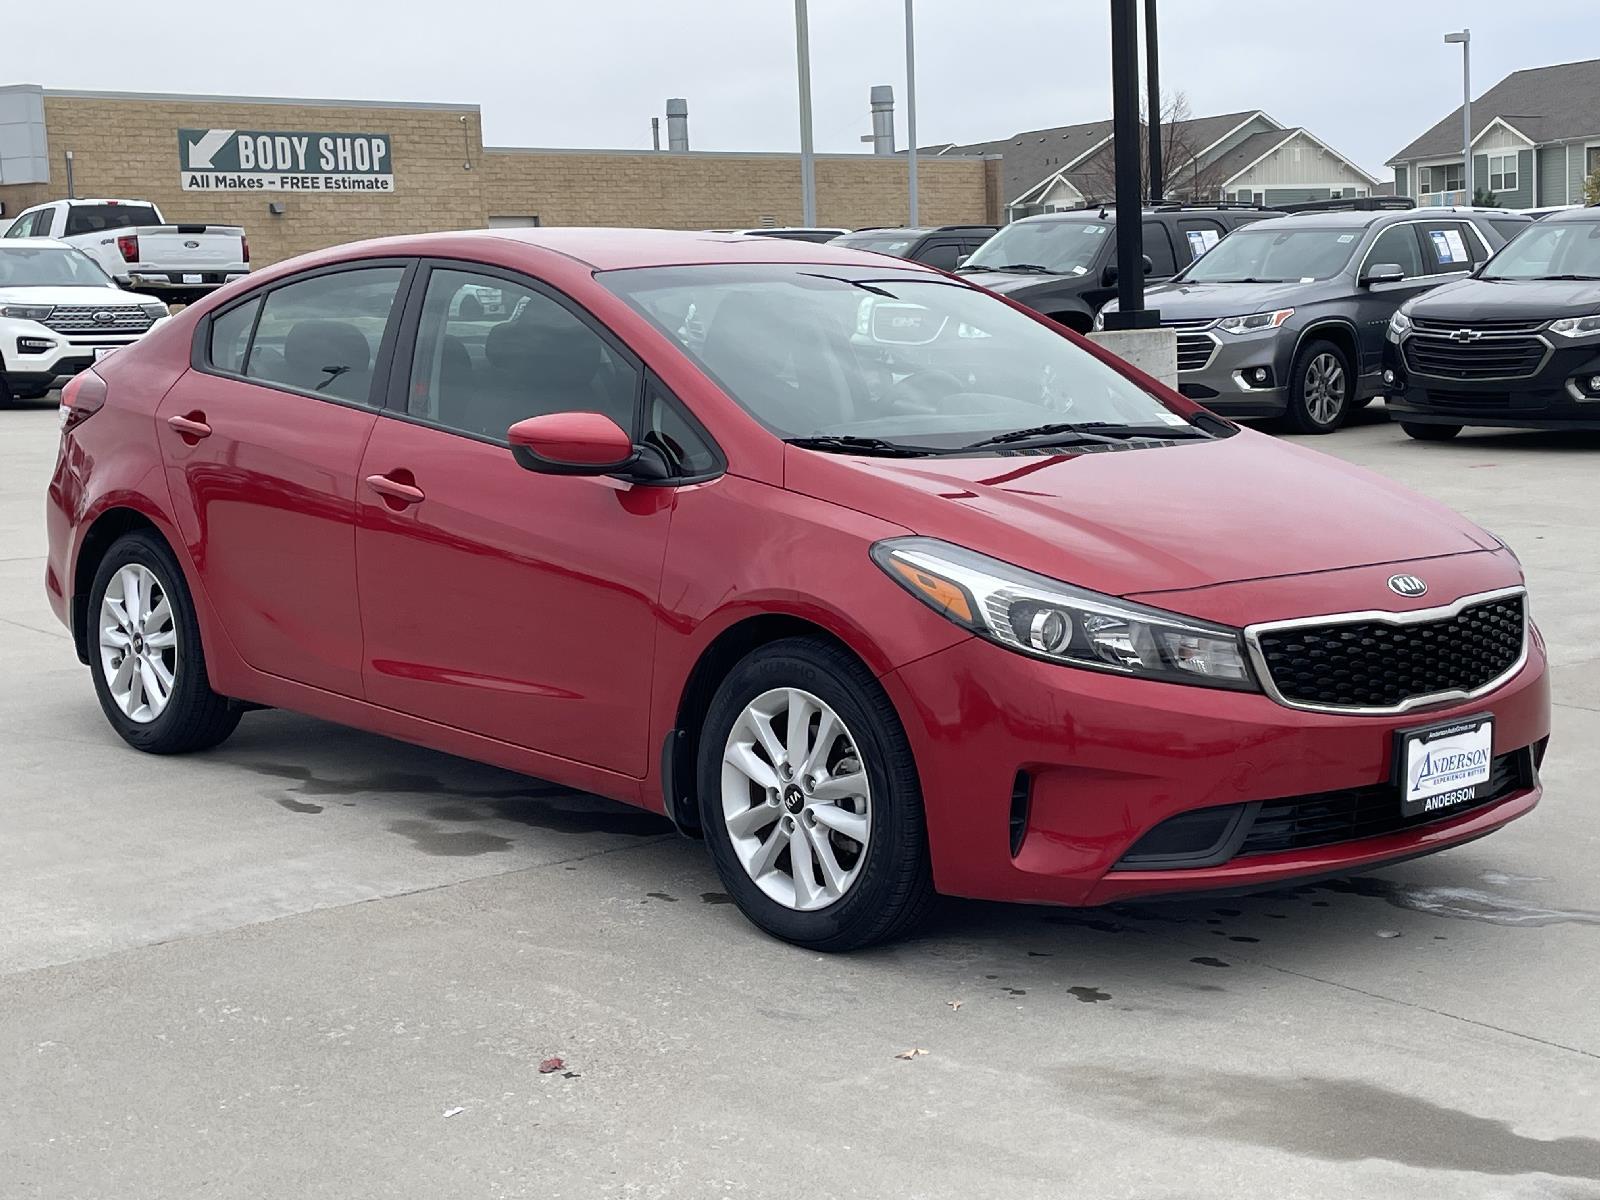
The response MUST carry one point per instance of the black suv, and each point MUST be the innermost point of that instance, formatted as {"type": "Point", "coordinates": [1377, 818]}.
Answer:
{"type": "Point", "coordinates": [1065, 264]}
{"type": "Point", "coordinates": [1287, 318]}
{"type": "Point", "coordinates": [1518, 344]}
{"type": "Point", "coordinates": [941, 246]}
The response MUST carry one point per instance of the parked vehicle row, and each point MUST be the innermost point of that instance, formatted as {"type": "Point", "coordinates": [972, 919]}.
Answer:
{"type": "Point", "coordinates": [879, 584]}
{"type": "Point", "coordinates": [136, 247]}
{"type": "Point", "coordinates": [942, 246]}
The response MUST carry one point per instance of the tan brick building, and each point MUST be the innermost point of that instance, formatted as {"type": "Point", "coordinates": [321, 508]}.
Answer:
{"type": "Point", "coordinates": [132, 145]}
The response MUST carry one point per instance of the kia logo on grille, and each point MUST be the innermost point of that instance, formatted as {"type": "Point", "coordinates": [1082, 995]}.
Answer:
{"type": "Point", "coordinates": [1466, 335]}
{"type": "Point", "coordinates": [1407, 585]}
{"type": "Point", "coordinates": [103, 317]}
{"type": "Point", "coordinates": [191, 245]}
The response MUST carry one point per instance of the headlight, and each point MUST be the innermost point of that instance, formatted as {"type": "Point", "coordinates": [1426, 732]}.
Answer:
{"type": "Point", "coordinates": [1577, 327]}
{"type": "Point", "coordinates": [1255, 322]}
{"type": "Point", "coordinates": [1399, 326]}
{"type": "Point", "coordinates": [1100, 321]}
{"type": "Point", "coordinates": [155, 310]}
{"type": "Point", "coordinates": [26, 312]}
{"type": "Point", "coordinates": [1042, 617]}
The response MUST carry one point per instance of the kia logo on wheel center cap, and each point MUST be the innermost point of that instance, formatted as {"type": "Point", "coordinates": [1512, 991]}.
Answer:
{"type": "Point", "coordinates": [1407, 585]}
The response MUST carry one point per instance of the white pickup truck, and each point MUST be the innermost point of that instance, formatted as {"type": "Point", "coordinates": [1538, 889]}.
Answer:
{"type": "Point", "coordinates": [137, 248]}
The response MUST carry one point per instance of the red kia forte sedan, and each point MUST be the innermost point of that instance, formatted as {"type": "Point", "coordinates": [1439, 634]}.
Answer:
{"type": "Point", "coordinates": [879, 583]}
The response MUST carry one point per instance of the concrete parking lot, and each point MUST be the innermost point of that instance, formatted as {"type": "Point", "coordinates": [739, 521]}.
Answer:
{"type": "Point", "coordinates": [322, 964]}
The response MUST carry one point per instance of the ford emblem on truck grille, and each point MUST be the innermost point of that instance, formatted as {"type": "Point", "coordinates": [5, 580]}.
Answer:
{"type": "Point", "coordinates": [191, 245]}
{"type": "Point", "coordinates": [1407, 585]}
{"type": "Point", "coordinates": [103, 317]}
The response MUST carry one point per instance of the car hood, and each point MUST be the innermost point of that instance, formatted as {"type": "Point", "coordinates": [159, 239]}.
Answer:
{"type": "Point", "coordinates": [1197, 301]}
{"type": "Point", "coordinates": [1166, 518]}
{"type": "Point", "coordinates": [68, 295]}
{"type": "Point", "coordinates": [1508, 300]}
{"type": "Point", "coordinates": [1013, 281]}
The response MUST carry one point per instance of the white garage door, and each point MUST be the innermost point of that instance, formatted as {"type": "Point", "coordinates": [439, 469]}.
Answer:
{"type": "Point", "coordinates": [512, 222]}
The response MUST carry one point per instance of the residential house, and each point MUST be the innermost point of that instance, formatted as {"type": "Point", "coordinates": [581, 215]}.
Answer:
{"type": "Point", "coordinates": [1535, 139]}
{"type": "Point", "coordinates": [1242, 156]}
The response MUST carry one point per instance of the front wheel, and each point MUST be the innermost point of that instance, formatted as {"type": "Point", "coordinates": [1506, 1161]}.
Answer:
{"type": "Point", "coordinates": [1320, 387]}
{"type": "Point", "coordinates": [1429, 433]}
{"type": "Point", "coordinates": [145, 655]}
{"type": "Point", "coordinates": [809, 799]}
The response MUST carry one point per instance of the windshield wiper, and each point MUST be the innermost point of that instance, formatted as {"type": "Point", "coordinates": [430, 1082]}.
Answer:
{"type": "Point", "coordinates": [1016, 268]}
{"type": "Point", "coordinates": [839, 443]}
{"type": "Point", "coordinates": [1103, 432]}
{"type": "Point", "coordinates": [1569, 278]}
{"type": "Point", "coordinates": [1247, 279]}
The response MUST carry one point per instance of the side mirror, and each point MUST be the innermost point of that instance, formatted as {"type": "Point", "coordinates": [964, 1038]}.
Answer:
{"type": "Point", "coordinates": [1383, 273]}
{"type": "Point", "coordinates": [1148, 265]}
{"type": "Point", "coordinates": [961, 259]}
{"type": "Point", "coordinates": [571, 443]}
{"type": "Point", "coordinates": [1108, 277]}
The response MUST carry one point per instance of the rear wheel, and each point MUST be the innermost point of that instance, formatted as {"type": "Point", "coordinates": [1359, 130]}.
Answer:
{"type": "Point", "coordinates": [809, 799]}
{"type": "Point", "coordinates": [1429, 433]}
{"type": "Point", "coordinates": [145, 654]}
{"type": "Point", "coordinates": [1320, 387]}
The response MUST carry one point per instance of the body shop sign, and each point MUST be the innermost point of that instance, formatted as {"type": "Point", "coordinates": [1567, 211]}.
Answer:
{"type": "Point", "coordinates": [247, 160]}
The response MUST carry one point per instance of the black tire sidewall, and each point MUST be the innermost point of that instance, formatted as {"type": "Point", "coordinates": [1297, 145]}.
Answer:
{"type": "Point", "coordinates": [191, 690]}
{"type": "Point", "coordinates": [897, 843]}
{"type": "Point", "coordinates": [1299, 413]}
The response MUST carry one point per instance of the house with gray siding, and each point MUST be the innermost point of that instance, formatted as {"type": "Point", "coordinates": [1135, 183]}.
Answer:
{"type": "Point", "coordinates": [1535, 139]}
{"type": "Point", "coordinates": [1245, 156]}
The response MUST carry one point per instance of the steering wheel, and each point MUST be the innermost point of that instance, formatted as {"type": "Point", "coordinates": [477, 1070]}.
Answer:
{"type": "Point", "coordinates": [927, 385]}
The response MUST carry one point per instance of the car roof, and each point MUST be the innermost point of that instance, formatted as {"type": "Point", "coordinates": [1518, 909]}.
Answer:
{"type": "Point", "coordinates": [614, 249]}
{"type": "Point", "coordinates": [1592, 213]}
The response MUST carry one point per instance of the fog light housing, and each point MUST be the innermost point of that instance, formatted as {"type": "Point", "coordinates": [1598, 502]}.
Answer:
{"type": "Point", "coordinates": [1594, 384]}
{"type": "Point", "coordinates": [28, 345]}
{"type": "Point", "coordinates": [1388, 374]}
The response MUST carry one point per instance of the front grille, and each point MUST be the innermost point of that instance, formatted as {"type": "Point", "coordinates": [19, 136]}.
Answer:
{"type": "Point", "coordinates": [1383, 663]}
{"type": "Point", "coordinates": [1486, 358]}
{"type": "Point", "coordinates": [80, 318]}
{"type": "Point", "coordinates": [1449, 399]}
{"type": "Point", "coordinates": [1195, 350]}
{"type": "Point", "coordinates": [1345, 816]}
{"type": "Point", "coordinates": [1425, 325]}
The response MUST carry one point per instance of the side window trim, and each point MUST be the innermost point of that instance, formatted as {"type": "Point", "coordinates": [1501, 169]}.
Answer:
{"type": "Point", "coordinates": [200, 347]}
{"type": "Point", "coordinates": [654, 383]}
{"type": "Point", "coordinates": [395, 399]}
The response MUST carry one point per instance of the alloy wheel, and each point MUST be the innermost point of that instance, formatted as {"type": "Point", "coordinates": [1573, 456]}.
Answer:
{"type": "Point", "coordinates": [1325, 388]}
{"type": "Point", "coordinates": [795, 799]}
{"type": "Point", "coordinates": [138, 643]}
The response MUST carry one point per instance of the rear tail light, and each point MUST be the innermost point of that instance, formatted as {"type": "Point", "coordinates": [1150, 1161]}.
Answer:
{"type": "Point", "coordinates": [128, 247]}
{"type": "Point", "coordinates": [82, 398]}
{"type": "Point", "coordinates": [244, 242]}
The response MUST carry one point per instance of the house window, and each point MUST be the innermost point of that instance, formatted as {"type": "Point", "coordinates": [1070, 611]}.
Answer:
{"type": "Point", "coordinates": [1502, 172]}
{"type": "Point", "coordinates": [1591, 161]}
{"type": "Point", "coordinates": [1450, 177]}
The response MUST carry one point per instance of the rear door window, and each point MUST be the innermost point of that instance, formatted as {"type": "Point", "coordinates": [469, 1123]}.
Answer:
{"type": "Point", "coordinates": [1158, 249]}
{"type": "Point", "coordinates": [95, 218]}
{"type": "Point", "coordinates": [1448, 247]}
{"type": "Point", "coordinates": [1199, 235]}
{"type": "Point", "coordinates": [941, 254]}
{"type": "Point", "coordinates": [230, 337]}
{"type": "Point", "coordinates": [1397, 244]}
{"type": "Point", "coordinates": [321, 335]}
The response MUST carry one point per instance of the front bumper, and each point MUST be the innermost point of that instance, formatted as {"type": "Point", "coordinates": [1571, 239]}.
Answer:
{"type": "Point", "coordinates": [1557, 396]}
{"type": "Point", "coordinates": [37, 358]}
{"type": "Point", "coordinates": [1101, 760]}
{"type": "Point", "coordinates": [1224, 383]}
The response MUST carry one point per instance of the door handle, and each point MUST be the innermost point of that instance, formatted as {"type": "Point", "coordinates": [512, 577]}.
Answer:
{"type": "Point", "coordinates": [397, 493]}
{"type": "Point", "coordinates": [191, 428]}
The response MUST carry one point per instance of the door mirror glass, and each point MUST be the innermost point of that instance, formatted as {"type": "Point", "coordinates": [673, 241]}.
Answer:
{"type": "Point", "coordinates": [1108, 277]}
{"type": "Point", "coordinates": [571, 443]}
{"type": "Point", "coordinates": [1383, 273]}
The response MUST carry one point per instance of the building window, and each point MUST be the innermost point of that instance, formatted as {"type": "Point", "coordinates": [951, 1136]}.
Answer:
{"type": "Point", "coordinates": [1591, 161]}
{"type": "Point", "coordinates": [1502, 172]}
{"type": "Point", "coordinates": [1449, 177]}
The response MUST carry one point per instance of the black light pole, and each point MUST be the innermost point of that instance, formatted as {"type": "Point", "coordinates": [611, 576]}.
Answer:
{"type": "Point", "coordinates": [1130, 312]}
{"type": "Point", "coordinates": [1152, 68]}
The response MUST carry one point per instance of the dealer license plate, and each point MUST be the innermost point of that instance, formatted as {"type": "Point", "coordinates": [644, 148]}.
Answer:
{"type": "Point", "coordinates": [195, 278]}
{"type": "Point", "coordinates": [1444, 766]}
{"type": "Point", "coordinates": [104, 351]}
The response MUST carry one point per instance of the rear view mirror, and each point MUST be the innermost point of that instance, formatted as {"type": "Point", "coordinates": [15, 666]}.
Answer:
{"type": "Point", "coordinates": [1383, 273]}
{"type": "Point", "coordinates": [571, 443]}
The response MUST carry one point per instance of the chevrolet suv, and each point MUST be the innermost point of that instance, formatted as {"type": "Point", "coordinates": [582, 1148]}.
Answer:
{"type": "Point", "coordinates": [1287, 318]}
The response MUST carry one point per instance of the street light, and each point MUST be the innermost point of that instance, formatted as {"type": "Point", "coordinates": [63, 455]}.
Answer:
{"type": "Point", "coordinates": [911, 117]}
{"type": "Point", "coordinates": [1465, 40]}
{"type": "Point", "coordinates": [808, 170]}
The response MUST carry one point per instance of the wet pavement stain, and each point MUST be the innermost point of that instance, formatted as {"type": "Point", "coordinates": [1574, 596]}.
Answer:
{"type": "Point", "coordinates": [1016, 991]}
{"type": "Point", "coordinates": [298, 806]}
{"type": "Point", "coordinates": [715, 898]}
{"type": "Point", "coordinates": [1088, 995]}
{"type": "Point", "coordinates": [395, 782]}
{"type": "Point", "coordinates": [1242, 938]}
{"type": "Point", "coordinates": [445, 843]}
{"type": "Point", "coordinates": [1459, 903]}
{"type": "Point", "coordinates": [662, 896]}
{"type": "Point", "coordinates": [1293, 1115]}
{"type": "Point", "coordinates": [1205, 960]}
{"type": "Point", "coordinates": [597, 816]}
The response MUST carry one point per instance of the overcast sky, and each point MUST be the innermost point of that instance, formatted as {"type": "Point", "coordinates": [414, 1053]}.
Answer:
{"type": "Point", "coordinates": [1364, 75]}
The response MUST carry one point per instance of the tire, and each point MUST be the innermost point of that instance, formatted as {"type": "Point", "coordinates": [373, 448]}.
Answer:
{"type": "Point", "coordinates": [192, 717]}
{"type": "Point", "coordinates": [1429, 433]}
{"type": "Point", "coordinates": [1320, 385]}
{"type": "Point", "coordinates": [887, 886]}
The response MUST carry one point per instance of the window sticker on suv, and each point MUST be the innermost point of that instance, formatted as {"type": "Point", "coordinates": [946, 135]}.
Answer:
{"type": "Point", "coordinates": [1449, 245]}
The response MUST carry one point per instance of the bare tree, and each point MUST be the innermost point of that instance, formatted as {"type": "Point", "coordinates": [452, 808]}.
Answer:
{"type": "Point", "coordinates": [1182, 176]}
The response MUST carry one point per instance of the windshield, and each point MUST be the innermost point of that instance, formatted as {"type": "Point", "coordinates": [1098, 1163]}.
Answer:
{"type": "Point", "coordinates": [824, 351]}
{"type": "Point", "coordinates": [49, 266]}
{"type": "Point", "coordinates": [884, 243]}
{"type": "Point", "coordinates": [1060, 247]}
{"type": "Point", "coordinates": [93, 218]}
{"type": "Point", "coordinates": [1564, 250]}
{"type": "Point", "coordinates": [1271, 253]}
